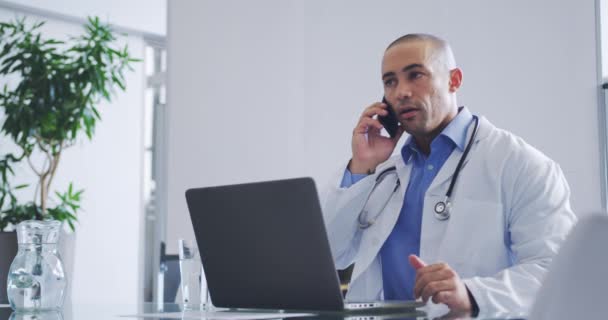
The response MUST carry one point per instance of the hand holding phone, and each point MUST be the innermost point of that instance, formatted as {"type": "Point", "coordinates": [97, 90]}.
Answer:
{"type": "Point", "coordinates": [390, 122]}
{"type": "Point", "coordinates": [370, 148]}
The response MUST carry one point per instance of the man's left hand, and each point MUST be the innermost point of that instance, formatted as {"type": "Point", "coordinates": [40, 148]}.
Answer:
{"type": "Point", "coordinates": [441, 283]}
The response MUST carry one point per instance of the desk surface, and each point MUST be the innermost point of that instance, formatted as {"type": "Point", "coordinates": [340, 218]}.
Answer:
{"type": "Point", "coordinates": [109, 312]}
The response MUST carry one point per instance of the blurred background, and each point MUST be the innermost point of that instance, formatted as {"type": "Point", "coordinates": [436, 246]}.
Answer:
{"type": "Point", "coordinates": [232, 91]}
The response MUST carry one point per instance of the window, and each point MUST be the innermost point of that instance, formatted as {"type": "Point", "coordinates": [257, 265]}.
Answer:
{"type": "Point", "coordinates": [154, 181]}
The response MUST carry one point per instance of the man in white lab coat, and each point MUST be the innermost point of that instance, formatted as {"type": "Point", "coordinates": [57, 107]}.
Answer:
{"type": "Point", "coordinates": [509, 207]}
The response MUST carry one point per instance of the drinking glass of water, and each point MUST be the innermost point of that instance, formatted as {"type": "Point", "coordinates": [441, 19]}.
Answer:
{"type": "Point", "coordinates": [195, 295]}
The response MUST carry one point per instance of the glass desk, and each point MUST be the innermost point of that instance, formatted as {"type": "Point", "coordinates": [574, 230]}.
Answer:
{"type": "Point", "coordinates": [173, 311]}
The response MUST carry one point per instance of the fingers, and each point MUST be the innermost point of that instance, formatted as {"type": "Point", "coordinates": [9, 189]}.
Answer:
{"type": "Point", "coordinates": [432, 273]}
{"type": "Point", "coordinates": [374, 127]}
{"type": "Point", "coordinates": [369, 146]}
{"type": "Point", "coordinates": [367, 124]}
{"type": "Point", "coordinates": [440, 283]}
{"type": "Point", "coordinates": [378, 108]}
{"type": "Point", "coordinates": [431, 268]}
{"type": "Point", "coordinates": [443, 297]}
{"type": "Point", "coordinates": [416, 262]}
{"type": "Point", "coordinates": [437, 290]}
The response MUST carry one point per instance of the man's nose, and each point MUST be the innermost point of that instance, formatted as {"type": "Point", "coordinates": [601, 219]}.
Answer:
{"type": "Point", "coordinates": [404, 90]}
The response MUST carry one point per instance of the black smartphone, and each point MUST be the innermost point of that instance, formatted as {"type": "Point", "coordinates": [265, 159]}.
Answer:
{"type": "Point", "coordinates": [390, 122]}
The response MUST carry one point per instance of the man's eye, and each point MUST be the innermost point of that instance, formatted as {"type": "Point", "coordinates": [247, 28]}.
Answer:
{"type": "Point", "coordinates": [389, 82]}
{"type": "Point", "coordinates": [415, 75]}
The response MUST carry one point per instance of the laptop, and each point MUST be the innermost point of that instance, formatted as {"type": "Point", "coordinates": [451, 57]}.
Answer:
{"type": "Point", "coordinates": [263, 245]}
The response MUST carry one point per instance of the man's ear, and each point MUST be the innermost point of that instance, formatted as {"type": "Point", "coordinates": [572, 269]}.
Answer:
{"type": "Point", "coordinates": [455, 79]}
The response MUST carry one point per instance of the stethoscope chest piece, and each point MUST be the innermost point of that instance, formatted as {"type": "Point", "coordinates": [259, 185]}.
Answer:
{"type": "Point", "coordinates": [366, 224]}
{"type": "Point", "coordinates": [442, 210]}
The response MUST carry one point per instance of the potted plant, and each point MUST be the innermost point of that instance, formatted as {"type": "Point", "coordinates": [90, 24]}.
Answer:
{"type": "Point", "coordinates": [48, 105]}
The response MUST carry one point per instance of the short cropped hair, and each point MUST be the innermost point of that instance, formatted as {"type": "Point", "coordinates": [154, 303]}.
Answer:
{"type": "Point", "coordinates": [442, 52]}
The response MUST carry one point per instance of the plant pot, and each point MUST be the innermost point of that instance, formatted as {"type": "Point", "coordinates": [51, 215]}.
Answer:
{"type": "Point", "coordinates": [8, 251]}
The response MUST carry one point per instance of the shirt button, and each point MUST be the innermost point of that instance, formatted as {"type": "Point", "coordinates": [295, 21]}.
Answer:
{"type": "Point", "coordinates": [430, 167]}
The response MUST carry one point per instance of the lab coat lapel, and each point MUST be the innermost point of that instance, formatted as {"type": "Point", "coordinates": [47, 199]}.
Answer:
{"type": "Point", "coordinates": [446, 172]}
{"type": "Point", "coordinates": [433, 232]}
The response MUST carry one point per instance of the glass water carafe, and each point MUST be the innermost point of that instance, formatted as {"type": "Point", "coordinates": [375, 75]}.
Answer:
{"type": "Point", "coordinates": [36, 279]}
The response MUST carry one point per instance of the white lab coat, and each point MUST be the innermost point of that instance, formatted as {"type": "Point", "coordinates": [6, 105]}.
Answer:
{"type": "Point", "coordinates": [510, 213]}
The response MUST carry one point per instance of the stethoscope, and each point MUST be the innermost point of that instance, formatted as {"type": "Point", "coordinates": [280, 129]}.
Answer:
{"type": "Point", "coordinates": [442, 208]}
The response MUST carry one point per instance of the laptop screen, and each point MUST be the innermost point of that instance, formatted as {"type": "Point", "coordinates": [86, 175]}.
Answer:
{"type": "Point", "coordinates": [264, 245]}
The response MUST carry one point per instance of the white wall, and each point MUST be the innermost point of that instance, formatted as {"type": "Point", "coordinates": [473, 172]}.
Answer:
{"type": "Point", "coordinates": [272, 89]}
{"type": "Point", "coordinates": [603, 5]}
{"type": "Point", "coordinates": [109, 168]}
{"type": "Point", "coordinates": [144, 15]}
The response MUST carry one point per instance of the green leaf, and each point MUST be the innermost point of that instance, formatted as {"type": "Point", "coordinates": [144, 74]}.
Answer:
{"type": "Point", "coordinates": [60, 196]}
{"type": "Point", "coordinates": [96, 113]}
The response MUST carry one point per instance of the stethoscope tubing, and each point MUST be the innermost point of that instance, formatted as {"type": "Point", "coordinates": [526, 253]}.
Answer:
{"type": "Point", "coordinates": [442, 208]}
{"type": "Point", "coordinates": [379, 179]}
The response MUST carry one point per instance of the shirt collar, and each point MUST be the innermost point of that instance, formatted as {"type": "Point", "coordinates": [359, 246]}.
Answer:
{"type": "Point", "coordinates": [457, 128]}
{"type": "Point", "coordinates": [456, 131]}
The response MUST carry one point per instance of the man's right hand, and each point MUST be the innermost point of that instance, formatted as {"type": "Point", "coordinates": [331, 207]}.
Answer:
{"type": "Point", "coordinates": [370, 148]}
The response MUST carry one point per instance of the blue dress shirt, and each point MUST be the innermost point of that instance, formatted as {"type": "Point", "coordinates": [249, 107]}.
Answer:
{"type": "Point", "coordinates": [397, 275]}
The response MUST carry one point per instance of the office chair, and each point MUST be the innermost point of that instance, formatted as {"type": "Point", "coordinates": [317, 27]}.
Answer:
{"type": "Point", "coordinates": [169, 265]}
{"type": "Point", "coordinates": [575, 286]}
